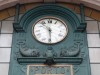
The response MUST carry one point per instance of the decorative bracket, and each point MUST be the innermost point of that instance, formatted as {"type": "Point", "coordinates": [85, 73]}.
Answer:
{"type": "Point", "coordinates": [50, 54]}
{"type": "Point", "coordinates": [16, 25]}
{"type": "Point", "coordinates": [83, 24]}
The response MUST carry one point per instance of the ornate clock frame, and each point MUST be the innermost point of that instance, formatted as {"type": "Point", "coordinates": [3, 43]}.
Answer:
{"type": "Point", "coordinates": [72, 50]}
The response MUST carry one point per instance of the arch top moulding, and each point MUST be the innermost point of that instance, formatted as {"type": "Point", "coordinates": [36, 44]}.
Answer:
{"type": "Point", "coordinates": [95, 4]}
{"type": "Point", "coordinates": [92, 7]}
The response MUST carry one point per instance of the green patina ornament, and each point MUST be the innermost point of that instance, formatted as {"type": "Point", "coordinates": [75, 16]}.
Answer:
{"type": "Point", "coordinates": [71, 52]}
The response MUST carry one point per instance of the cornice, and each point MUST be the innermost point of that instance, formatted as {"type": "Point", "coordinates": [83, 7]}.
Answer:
{"type": "Point", "coordinates": [95, 4]}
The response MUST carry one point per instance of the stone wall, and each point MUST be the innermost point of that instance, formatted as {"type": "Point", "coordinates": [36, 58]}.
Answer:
{"type": "Point", "coordinates": [8, 12]}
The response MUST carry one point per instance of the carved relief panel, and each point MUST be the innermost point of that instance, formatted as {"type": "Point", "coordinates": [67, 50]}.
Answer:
{"type": "Point", "coordinates": [49, 39]}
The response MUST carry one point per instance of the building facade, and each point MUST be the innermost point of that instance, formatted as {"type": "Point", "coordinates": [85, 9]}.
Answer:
{"type": "Point", "coordinates": [7, 32]}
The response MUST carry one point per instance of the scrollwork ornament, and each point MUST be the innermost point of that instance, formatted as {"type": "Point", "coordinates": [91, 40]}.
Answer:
{"type": "Point", "coordinates": [71, 51]}
{"type": "Point", "coordinates": [28, 52]}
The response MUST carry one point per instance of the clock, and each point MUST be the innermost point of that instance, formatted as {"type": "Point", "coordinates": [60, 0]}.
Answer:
{"type": "Point", "coordinates": [49, 30]}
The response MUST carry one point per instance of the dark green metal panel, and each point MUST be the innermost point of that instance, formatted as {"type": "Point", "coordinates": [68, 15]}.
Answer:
{"type": "Point", "coordinates": [72, 50]}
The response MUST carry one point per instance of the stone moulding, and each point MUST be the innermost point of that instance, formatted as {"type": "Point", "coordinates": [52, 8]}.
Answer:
{"type": "Point", "coordinates": [47, 9]}
{"type": "Point", "coordinates": [9, 11]}
{"type": "Point", "coordinates": [70, 60]}
{"type": "Point", "coordinates": [90, 3]}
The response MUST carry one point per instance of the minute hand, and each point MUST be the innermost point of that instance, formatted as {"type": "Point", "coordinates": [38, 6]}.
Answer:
{"type": "Point", "coordinates": [49, 31]}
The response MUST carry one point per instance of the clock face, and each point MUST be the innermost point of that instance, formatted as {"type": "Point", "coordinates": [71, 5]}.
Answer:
{"type": "Point", "coordinates": [49, 30]}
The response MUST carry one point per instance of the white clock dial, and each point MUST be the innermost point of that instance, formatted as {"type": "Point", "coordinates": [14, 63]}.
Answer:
{"type": "Point", "coordinates": [49, 30]}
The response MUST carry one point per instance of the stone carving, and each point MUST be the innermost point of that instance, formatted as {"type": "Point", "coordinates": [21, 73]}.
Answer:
{"type": "Point", "coordinates": [50, 54]}
{"type": "Point", "coordinates": [23, 69]}
{"type": "Point", "coordinates": [28, 52]}
{"type": "Point", "coordinates": [70, 52]}
{"type": "Point", "coordinates": [76, 68]}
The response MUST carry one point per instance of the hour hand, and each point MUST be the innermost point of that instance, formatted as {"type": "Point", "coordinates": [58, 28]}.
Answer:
{"type": "Point", "coordinates": [49, 34]}
{"type": "Point", "coordinates": [45, 26]}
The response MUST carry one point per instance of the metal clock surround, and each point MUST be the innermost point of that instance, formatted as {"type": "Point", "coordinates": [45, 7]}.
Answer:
{"type": "Point", "coordinates": [50, 17]}
{"type": "Point", "coordinates": [22, 38]}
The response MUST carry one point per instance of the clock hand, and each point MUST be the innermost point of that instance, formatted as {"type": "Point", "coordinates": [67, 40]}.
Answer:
{"type": "Point", "coordinates": [45, 26]}
{"type": "Point", "coordinates": [49, 30]}
{"type": "Point", "coordinates": [49, 35]}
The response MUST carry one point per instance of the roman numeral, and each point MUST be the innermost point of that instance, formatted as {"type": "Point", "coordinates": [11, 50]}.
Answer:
{"type": "Point", "coordinates": [60, 35]}
{"type": "Point", "coordinates": [49, 21]}
{"type": "Point", "coordinates": [55, 22]}
{"type": "Point", "coordinates": [43, 39]}
{"type": "Point", "coordinates": [38, 34]}
{"type": "Point", "coordinates": [37, 31]}
{"type": "Point", "coordinates": [43, 22]}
